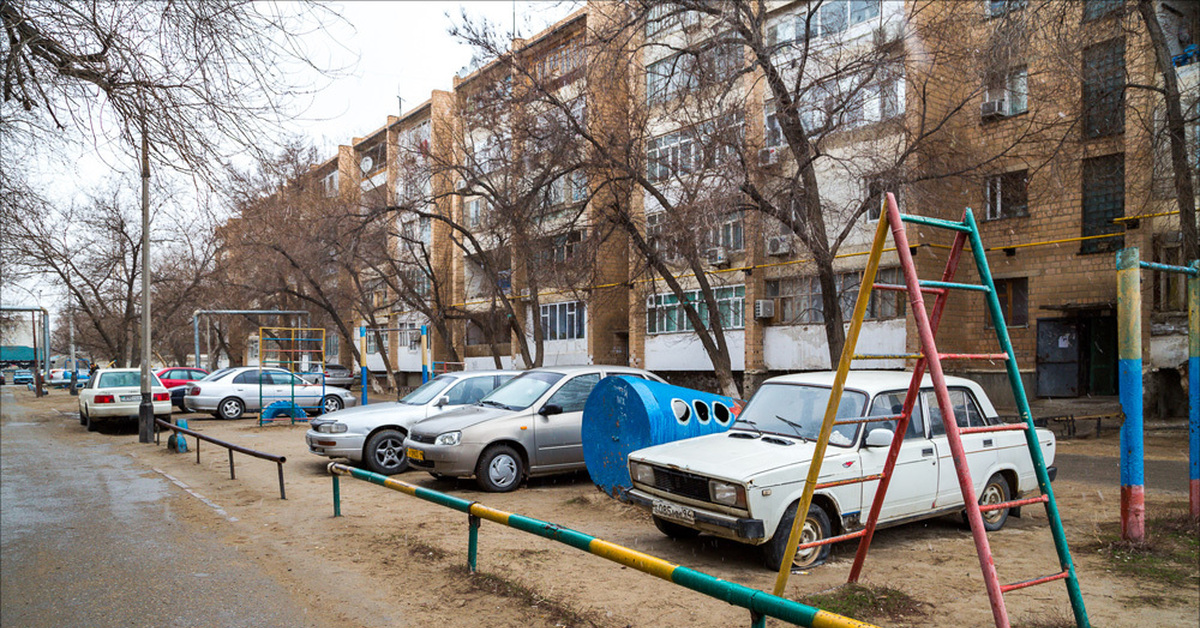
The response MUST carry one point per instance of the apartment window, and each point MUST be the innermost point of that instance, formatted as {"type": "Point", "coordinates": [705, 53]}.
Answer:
{"type": "Point", "coordinates": [562, 247]}
{"type": "Point", "coordinates": [329, 184]}
{"type": "Point", "coordinates": [373, 159]}
{"type": "Point", "coordinates": [1007, 195]}
{"type": "Point", "coordinates": [1103, 89]}
{"type": "Point", "coordinates": [1103, 200]}
{"type": "Point", "coordinates": [1010, 89]}
{"type": "Point", "coordinates": [996, 8]}
{"type": "Point", "coordinates": [331, 347]}
{"type": "Point", "coordinates": [876, 193]}
{"type": "Point", "coordinates": [886, 304]}
{"type": "Point", "coordinates": [689, 150]}
{"type": "Point", "coordinates": [772, 132]}
{"type": "Point", "coordinates": [564, 321]}
{"type": "Point", "coordinates": [476, 210]}
{"type": "Point", "coordinates": [372, 346]}
{"type": "Point", "coordinates": [1095, 9]}
{"type": "Point", "coordinates": [799, 298]}
{"type": "Point", "coordinates": [728, 233]}
{"type": "Point", "coordinates": [665, 314]}
{"type": "Point", "coordinates": [1170, 289]}
{"type": "Point", "coordinates": [1014, 302]}
{"type": "Point", "coordinates": [579, 186]}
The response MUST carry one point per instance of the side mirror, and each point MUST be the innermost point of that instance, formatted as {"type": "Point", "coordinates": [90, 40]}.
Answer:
{"type": "Point", "coordinates": [443, 400]}
{"type": "Point", "coordinates": [880, 437]}
{"type": "Point", "coordinates": [550, 409]}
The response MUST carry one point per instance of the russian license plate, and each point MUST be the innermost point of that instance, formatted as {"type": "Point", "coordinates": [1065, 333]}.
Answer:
{"type": "Point", "coordinates": [674, 512]}
{"type": "Point", "coordinates": [130, 397]}
{"type": "Point", "coordinates": [415, 454]}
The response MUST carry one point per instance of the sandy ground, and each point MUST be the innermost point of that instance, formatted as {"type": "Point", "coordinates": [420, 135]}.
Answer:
{"type": "Point", "coordinates": [395, 560]}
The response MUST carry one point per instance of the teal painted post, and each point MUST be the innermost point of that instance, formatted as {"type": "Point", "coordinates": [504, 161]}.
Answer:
{"type": "Point", "coordinates": [1129, 379]}
{"type": "Point", "coordinates": [472, 542]}
{"type": "Point", "coordinates": [337, 496]}
{"type": "Point", "coordinates": [758, 620]}
{"type": "Point", "coordinates": [1031, 439]}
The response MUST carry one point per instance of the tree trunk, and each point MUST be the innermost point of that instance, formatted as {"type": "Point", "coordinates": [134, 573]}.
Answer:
{"type": "Point", "coordinates": [1185, 194]}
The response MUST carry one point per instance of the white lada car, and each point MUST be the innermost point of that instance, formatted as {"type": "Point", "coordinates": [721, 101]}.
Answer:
{"type": "Point", "coordinates": [745, 484]}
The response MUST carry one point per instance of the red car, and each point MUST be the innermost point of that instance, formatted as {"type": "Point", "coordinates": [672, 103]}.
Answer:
{"type": "Point", "coordinates": [175, 377]}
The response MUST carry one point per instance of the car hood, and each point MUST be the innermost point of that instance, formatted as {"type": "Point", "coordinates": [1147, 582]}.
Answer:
{"type": "Point", "coordinates": [763, 462]}
{"type": "Point", "coordinates": [460, 419]}
{"type": "Point", "coordinates": [365, 418]}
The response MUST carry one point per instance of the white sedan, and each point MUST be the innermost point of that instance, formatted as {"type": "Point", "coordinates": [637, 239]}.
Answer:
{"type": "Point", "coordinates": [115, 394]}
{"type": "Point", "coordinates": [744, 484]}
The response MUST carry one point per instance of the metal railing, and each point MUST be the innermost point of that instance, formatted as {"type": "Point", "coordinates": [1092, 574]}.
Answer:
{"type": "Point", "coordinates": [760, 603]}
{"type": "Point", "coordinates": [278, 460]}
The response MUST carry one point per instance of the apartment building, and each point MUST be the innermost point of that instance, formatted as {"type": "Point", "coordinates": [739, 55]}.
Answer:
{"type": "Point", "coordinates": [1036, 132]}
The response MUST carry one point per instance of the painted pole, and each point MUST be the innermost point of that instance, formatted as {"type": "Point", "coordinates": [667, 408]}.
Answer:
{"type": "Point", "coordinates": [472, 543]}
{"type": "Point", "coordinates": [362, 368]}
{"type": "Point", "coordinates": [1193, 284]}
{"type": "Point", "coordinates": [424, 353]}
{"type": "Point", "coordinates": [1129, 367]}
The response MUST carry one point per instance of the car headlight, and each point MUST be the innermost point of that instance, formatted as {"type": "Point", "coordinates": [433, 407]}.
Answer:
{"type": "Point", "coordinates": [449, 438]}
{"type": "Point", "coordinates": [332, 428]}
{"type": "Point", "coordinates": [642, 473]}
{"type": "Point", "coordinates": [727, 494]}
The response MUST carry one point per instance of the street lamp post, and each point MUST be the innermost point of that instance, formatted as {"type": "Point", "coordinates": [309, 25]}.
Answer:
{"type": "Point", "coordinates": [146, 408]}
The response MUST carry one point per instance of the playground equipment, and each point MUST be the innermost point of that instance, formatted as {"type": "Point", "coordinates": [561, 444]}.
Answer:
{"type": "Point", "coordinates": [927, 323]}
{"type": "Point", "coordinates": [405, 333]}
{"type": "Point", "coordinates": [296, 350]}
{"type": "Point", "coordinates": [1129, 353]}
{"type": "Point", "coordinates": [624, 414]}
{"type": "Point", "coordinates": [760, 603]}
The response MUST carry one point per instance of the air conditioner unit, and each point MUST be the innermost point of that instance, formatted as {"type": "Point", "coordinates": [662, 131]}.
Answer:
{"type": "Point", "coordinates": [779, 245]}
{"type": "Point", "coordinates": [768, 156]}
{"type": "Point", "coordinates": [718, 256]}
{"type": "Point", "coordinates": [993, 109]}
{"type": "Point", "coordinates": [764, 308]}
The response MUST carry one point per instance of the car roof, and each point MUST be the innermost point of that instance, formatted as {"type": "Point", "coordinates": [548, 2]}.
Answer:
{"type": "Point", "coordinates": [869, 381]}
{"type": "Point", "coordinates": [474, 373]}
{"type": "Point", "coordinates": [580, 368]}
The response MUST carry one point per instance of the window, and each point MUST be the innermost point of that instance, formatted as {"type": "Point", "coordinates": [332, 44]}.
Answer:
{"type": "Point", "coordinates": [1007, 195]}
{"type": "Point", "coordinates": [876, 193]}
{"type": "Point", "coordinates": [966, 412]}
{"type": "Point", "coordinates": [564, 321]}
{"type": "Point", "coordinates": [560, 60]}
{"type": "Point", "coordinates": [1014, 302]}
{"type": "Point", "coordinates": [476, 212]}
{"type": "Point", "coordinates": [886, 304]}
{"type": "Point", "coordinates": [892, 404]}
{"type": "Point", "coordinates": [664, 314]}
{"type": "Point", "coordinates": [573, 394]}
{"type": "Point", "coordinates": [329, 184]}
{"type": "Point", "coordinates": [1095, 9]}
{"type": "Point", "coordinates": [773, 133]}
{"type": "Point", "coordinates": [997, 8]}
{"type": "Point", "coordinates": [1103, 200]}
{"type": "Point", "coordinates": [486, 327]}
{"type": "Point", "coordinates": [373, 159]}
{"type": "Point", "coordinates": [728, 232]}
{"type": "Point", "coordinates": [836, 16]}
{"type": "Point", "coordinates": [800, 297]}
{"type": "Point", "coordinates": [1011, 89]}
{"type": "Point", "coordinates": [1103, 89]}
{"type": "Point", "coordinates": [689, 150]}
{"type": "Point", "coordinates": [564, 246]}
{"type": "Point", "coordinates": [372, 344]}
{"type": "Point", "coordinates": [714, 62]}
{"type": "Point", "coordinates": [579, 186]}
{"type": "Point", "coordinates": [1170, 289]}
{"type": "Point", "coordinates": [469, 391]}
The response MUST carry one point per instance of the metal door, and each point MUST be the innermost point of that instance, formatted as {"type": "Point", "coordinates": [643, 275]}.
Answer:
{"type": "Point", "coordinates": [1102, 355]}
{"type": "Point", "coordinates": [1057, 357]}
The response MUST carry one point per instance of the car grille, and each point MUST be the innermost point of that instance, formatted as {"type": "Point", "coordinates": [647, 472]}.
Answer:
{"type": "Point", "coordinates": [422, 438]}
{"type": "Point", "coordinates": [680, 483]}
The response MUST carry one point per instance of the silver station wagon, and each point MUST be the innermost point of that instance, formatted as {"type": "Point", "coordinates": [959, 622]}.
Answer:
{"type": "Point", "coordinates": [530, 426]}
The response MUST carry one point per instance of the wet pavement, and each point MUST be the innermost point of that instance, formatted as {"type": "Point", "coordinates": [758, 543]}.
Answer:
{"type": "Point", "coordinates": [90, 538]}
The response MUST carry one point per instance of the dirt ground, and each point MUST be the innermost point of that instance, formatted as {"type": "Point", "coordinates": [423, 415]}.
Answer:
{"type": "Point", "coordinates": [395, 560]}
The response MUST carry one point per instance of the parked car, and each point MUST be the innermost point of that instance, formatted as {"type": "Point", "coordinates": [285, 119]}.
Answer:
{"type": "Point", "coordinates": [332, 374]}
{"type": "Point", "coordinates": [745, 484]}
{"type": "Point", "coordinates": [115, 394]}
{"type": "Point", "coordinates": [230, 392]}
{"type": "Point", "coordinates": [62, 377]}
{"type": "Point", "coordinates": [23, 376]}
{"type": "Point", "coordinates": [373, 435]}
{"type": "Point", "coordinates": [2, 380]}
{"type": "Point", "coordinates": [177, 378]}
{"type": "Point", "coordinates": [530, 426]}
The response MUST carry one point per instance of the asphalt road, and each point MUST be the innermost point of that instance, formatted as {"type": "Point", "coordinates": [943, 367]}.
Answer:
{"type": "Point", "coordinates": [93, 540]}
{"type": "Point", "coordinates": [1171, 475]}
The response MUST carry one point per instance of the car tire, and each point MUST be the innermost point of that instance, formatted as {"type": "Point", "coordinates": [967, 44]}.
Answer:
{"type": "Point", "coordinates": [230, 408]}
{"type": "Point", "coordinates": [384, 453]}
{"type": "Point", "coordinates": [996, 491]}
{"type": "Point", "coordinates": [83, 415]}
{"type": "Point", "coordinates": [331, 403]}
{"type": "Point", "coordinates": [674, 530]}
{"type": "Point", "coordinates": [92, 424]}
{"type": "Point", "coordinates": [816, 527]}
{"type": "Point", "coordinates": [500, 469]}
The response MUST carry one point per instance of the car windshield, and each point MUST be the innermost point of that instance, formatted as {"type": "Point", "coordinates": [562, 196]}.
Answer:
{"type": "Point", "coordinates": [797, 410]}
{"type": "Point", "coordinates": [427, 391]}
{"type": "Point", "coordinates": [521, 391]}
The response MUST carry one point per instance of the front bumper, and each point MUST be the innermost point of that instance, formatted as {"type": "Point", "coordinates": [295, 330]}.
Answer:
{"type": "Point", "coordinates": [717, 523]}
{"type": "Point", "coordinates": [454, 461]}
{"type": "Point", "coordinates": [343, 445]}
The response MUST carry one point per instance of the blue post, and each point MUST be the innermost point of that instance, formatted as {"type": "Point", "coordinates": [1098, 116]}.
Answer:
{"type": "Point", "coordinates": [362, 368]}
{"type": "Point", "coordinates": [1129, 366]}
{"type": "Point", "coordinates": [1193, 292]}
{"type": "Point", "coordinates": [424, 352]}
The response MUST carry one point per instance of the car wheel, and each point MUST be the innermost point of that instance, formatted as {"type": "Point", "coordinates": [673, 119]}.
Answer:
{"type": "Point", "coordinates": [331, 403]}
{"type": "Point", "coordinates": [816, 527]}
{"type": "Point", "coordinates": [499, 470]}
{"type": "Point", "coordinates": [674, 530]}
{"type": "Point", "coordinates": [384, 453]}
{"type": "Point", "coordinates": [230, 408]}
{"type": "Point", "coordinates": [83, 415]}
{"type": "Point", "coordinates": [92, 425]}
{"type": "Point", "coordinates": [994, 492]}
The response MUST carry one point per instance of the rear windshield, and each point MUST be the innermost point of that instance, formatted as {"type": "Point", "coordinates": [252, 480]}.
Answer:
{"type": "Point", "coordinates": [121, 380]}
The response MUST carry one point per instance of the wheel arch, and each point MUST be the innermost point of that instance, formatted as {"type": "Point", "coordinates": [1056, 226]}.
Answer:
{"type": "Point", "coordinates": [821, 499]}
{"type": "Point", "coordinates": [378, 429]}
{"type": "Point", "coordinates": [516, 445]}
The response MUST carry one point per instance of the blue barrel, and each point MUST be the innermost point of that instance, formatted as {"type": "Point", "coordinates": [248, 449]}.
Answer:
{"type": "Point", "coordinates": [624, 414]}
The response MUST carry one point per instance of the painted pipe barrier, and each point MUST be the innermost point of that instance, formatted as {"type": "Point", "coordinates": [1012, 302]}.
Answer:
{"type": "Point", "coordinates": [278, 460]}
{"type": "Point", "coordinates": [760, 603]}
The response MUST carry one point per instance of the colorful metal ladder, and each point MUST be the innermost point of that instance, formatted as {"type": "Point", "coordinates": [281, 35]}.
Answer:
{"type": "Point", "coordinates": [966, 232]}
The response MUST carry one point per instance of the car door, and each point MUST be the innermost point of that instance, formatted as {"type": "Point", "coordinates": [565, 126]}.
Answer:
{"type": "Point", "coordinates": [254, 388]}
{"type": "Point", "coordinates": [295, 389]}
{"type": "Point", "coordinates": [558, 437]}
{"type": "Point", "coordinates": [980, 448]}
{"type": "Point", "coordinates": [913, 487]}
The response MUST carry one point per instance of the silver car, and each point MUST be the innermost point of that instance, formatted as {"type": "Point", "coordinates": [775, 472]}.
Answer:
{"type": "Point", "coordinates": [530, 426]}
{"type": "Point", "coordinates": [373, 435]}
{"type": "Point", "coordinates": [230, 392]}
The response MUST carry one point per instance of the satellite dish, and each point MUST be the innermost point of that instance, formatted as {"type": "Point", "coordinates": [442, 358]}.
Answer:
{"type": "Point", "coordinates": [367, 163]}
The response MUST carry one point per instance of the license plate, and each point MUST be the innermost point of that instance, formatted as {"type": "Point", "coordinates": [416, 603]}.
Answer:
{"type": "Point", "coordinates": [415, 454]}
{"type": "Point", "coordinates": [130, 397]}
{"type": "Point", "coordinates": [674, 512]}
